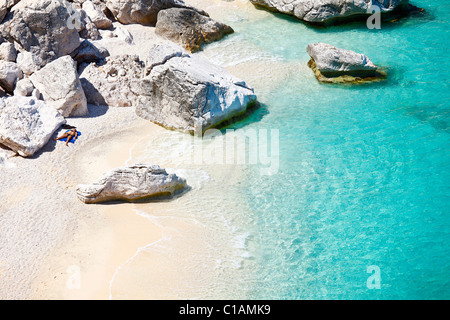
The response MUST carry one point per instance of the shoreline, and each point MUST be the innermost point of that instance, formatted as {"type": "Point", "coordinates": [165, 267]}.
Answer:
{"type": "Point", "coordinates": [68, 250]}
{"type": "Point", "coordinates": [116, 253]}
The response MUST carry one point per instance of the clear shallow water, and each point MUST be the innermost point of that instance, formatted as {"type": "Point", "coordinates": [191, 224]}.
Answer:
{"type": "Point", "coordinates": [364, 174]}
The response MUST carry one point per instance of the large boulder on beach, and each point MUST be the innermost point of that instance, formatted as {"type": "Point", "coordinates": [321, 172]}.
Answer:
{"type": "Point", "coordinates": [42, 27]}
{"type": "Point", "coordinates": [114, 82]}
{"type": "Point", "coordinates": [189, 28]}
{"type": "Point", "coordinates": [331, 64]}
{"type": "Point", "coordinates": [324, 11]}
{"type": "Point", "coordinates": [61, 88]}
{"type": "Point", "coordinates": [27, 124]}
{"type": "Point", "coordinates": [188, 93]}
{"type": "Point", "coordinates": [132, 183]}
{"type": "Point", "coordinates": [143, 12]}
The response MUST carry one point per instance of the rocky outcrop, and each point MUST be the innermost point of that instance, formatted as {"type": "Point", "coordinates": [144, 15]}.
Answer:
{"type": "Point", "coordinates": [325, 11]}
{"type": "Point", "coordinates": [331, 64]}
{"type": "Point", "coordinates": [189, 94]}
{"type": "Point", "coordinates": [115, 82]}
{"type": "Point", "coordinates": [43, 28]}
{"type": "Point", "coordinates": [189, 28]}
{"type": "Point", "coordinates": [133, 183]}
{"type": "Point", "coordinates": [143, 12]}
{"type": "Point", "coordinates": [61, 88]}
{"type": "Point", "coordinates": [10, 73]}
{"type": "Point", "coordinates": [26, 124]}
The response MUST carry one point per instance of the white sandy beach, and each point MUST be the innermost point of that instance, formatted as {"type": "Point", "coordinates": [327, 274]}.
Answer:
{"type": "Point", "coordinates": [55, 247]}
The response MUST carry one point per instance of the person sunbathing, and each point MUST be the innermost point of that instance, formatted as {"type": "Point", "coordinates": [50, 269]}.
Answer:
{"type": "Point", "coordinates": [71, 134]}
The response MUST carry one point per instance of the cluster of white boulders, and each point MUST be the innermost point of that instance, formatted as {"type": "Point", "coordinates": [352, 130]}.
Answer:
{"type": "Point", "coordinates": [139, 182]}
{"type": "Point", "coordinates": [186, 93]}
{"type": "Point", "coordinates": [51, 69]}
{"type": "Point", "coordinates": [48, 61]}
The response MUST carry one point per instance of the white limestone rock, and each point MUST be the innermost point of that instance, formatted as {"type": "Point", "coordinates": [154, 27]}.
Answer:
{"type": "Point", "coordinates": [189, 28]}
{"type": "Point", "coordinates": [60, 86]}
{"type": "Point", "coordinates": [24, 87]}
{"type": "Point", "coordinates": [43, 28]}
{"type": "Point", "coordinates": [27, 124]}
{"type": "Point", "coordinates": [189, 94]}
{"type": "Point", "coordinates": [131, 183]}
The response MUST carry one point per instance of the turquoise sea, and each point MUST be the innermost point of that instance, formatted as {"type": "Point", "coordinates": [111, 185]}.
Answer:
{"type": "Point", "coordinates": [364, 171]}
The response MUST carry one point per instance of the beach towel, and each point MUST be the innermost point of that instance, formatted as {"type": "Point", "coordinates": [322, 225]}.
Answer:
{"type": "Point", "coordinates": [73, 139]}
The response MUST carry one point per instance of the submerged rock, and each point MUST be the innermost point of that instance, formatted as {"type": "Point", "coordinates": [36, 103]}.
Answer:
{"type": "Point", "coordinates": [334, 65]}
{"type": "Point", "coordinates": [189, 28]}
{"type": "Point", "coordinates": [324, 11]}
{"type": "Point", "coordinates": [24, 87]}
{"type": "Point", "coordinates": [189, 94]}
{"type": "Point", "coordinates": [143, 12]}
{"type": "Point", "coordinates": [61, 88]}
{"type": "Point", "coordinates": [8, 52]}
{"type": "Point", "coordinates": [96, 15]}
{"type": "Point", "coordinates": [5, 5]}
{"type": "Point", "coordinates": [28, 62]}
{"type": "Point", "coordinates": [132, 183]}
{"type": "Point", "coordinates": [26, 124]}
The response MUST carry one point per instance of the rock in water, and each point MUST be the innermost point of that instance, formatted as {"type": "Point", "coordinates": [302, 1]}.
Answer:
{"type": "Point", "coordinates": [324, 11]}
{"type": "Point", "coordinates": [189, 28]}
{"type": "Point", "coordinates": [143, 12]}
{"type": "Point", "coordinates": [189, 94]}
{"type": "Point", "coordinates": [331, 64]}
{"type": "Point", "coordinates": [43, 28]}
{"type": "Point", "coordinates": [114, 83]}
{"type": "Point", "coordinates": [26, 124]}
{"type": "Point", "coordinates": [61, 88]}
{"type": "Point", "coordinates": [133, 183]}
